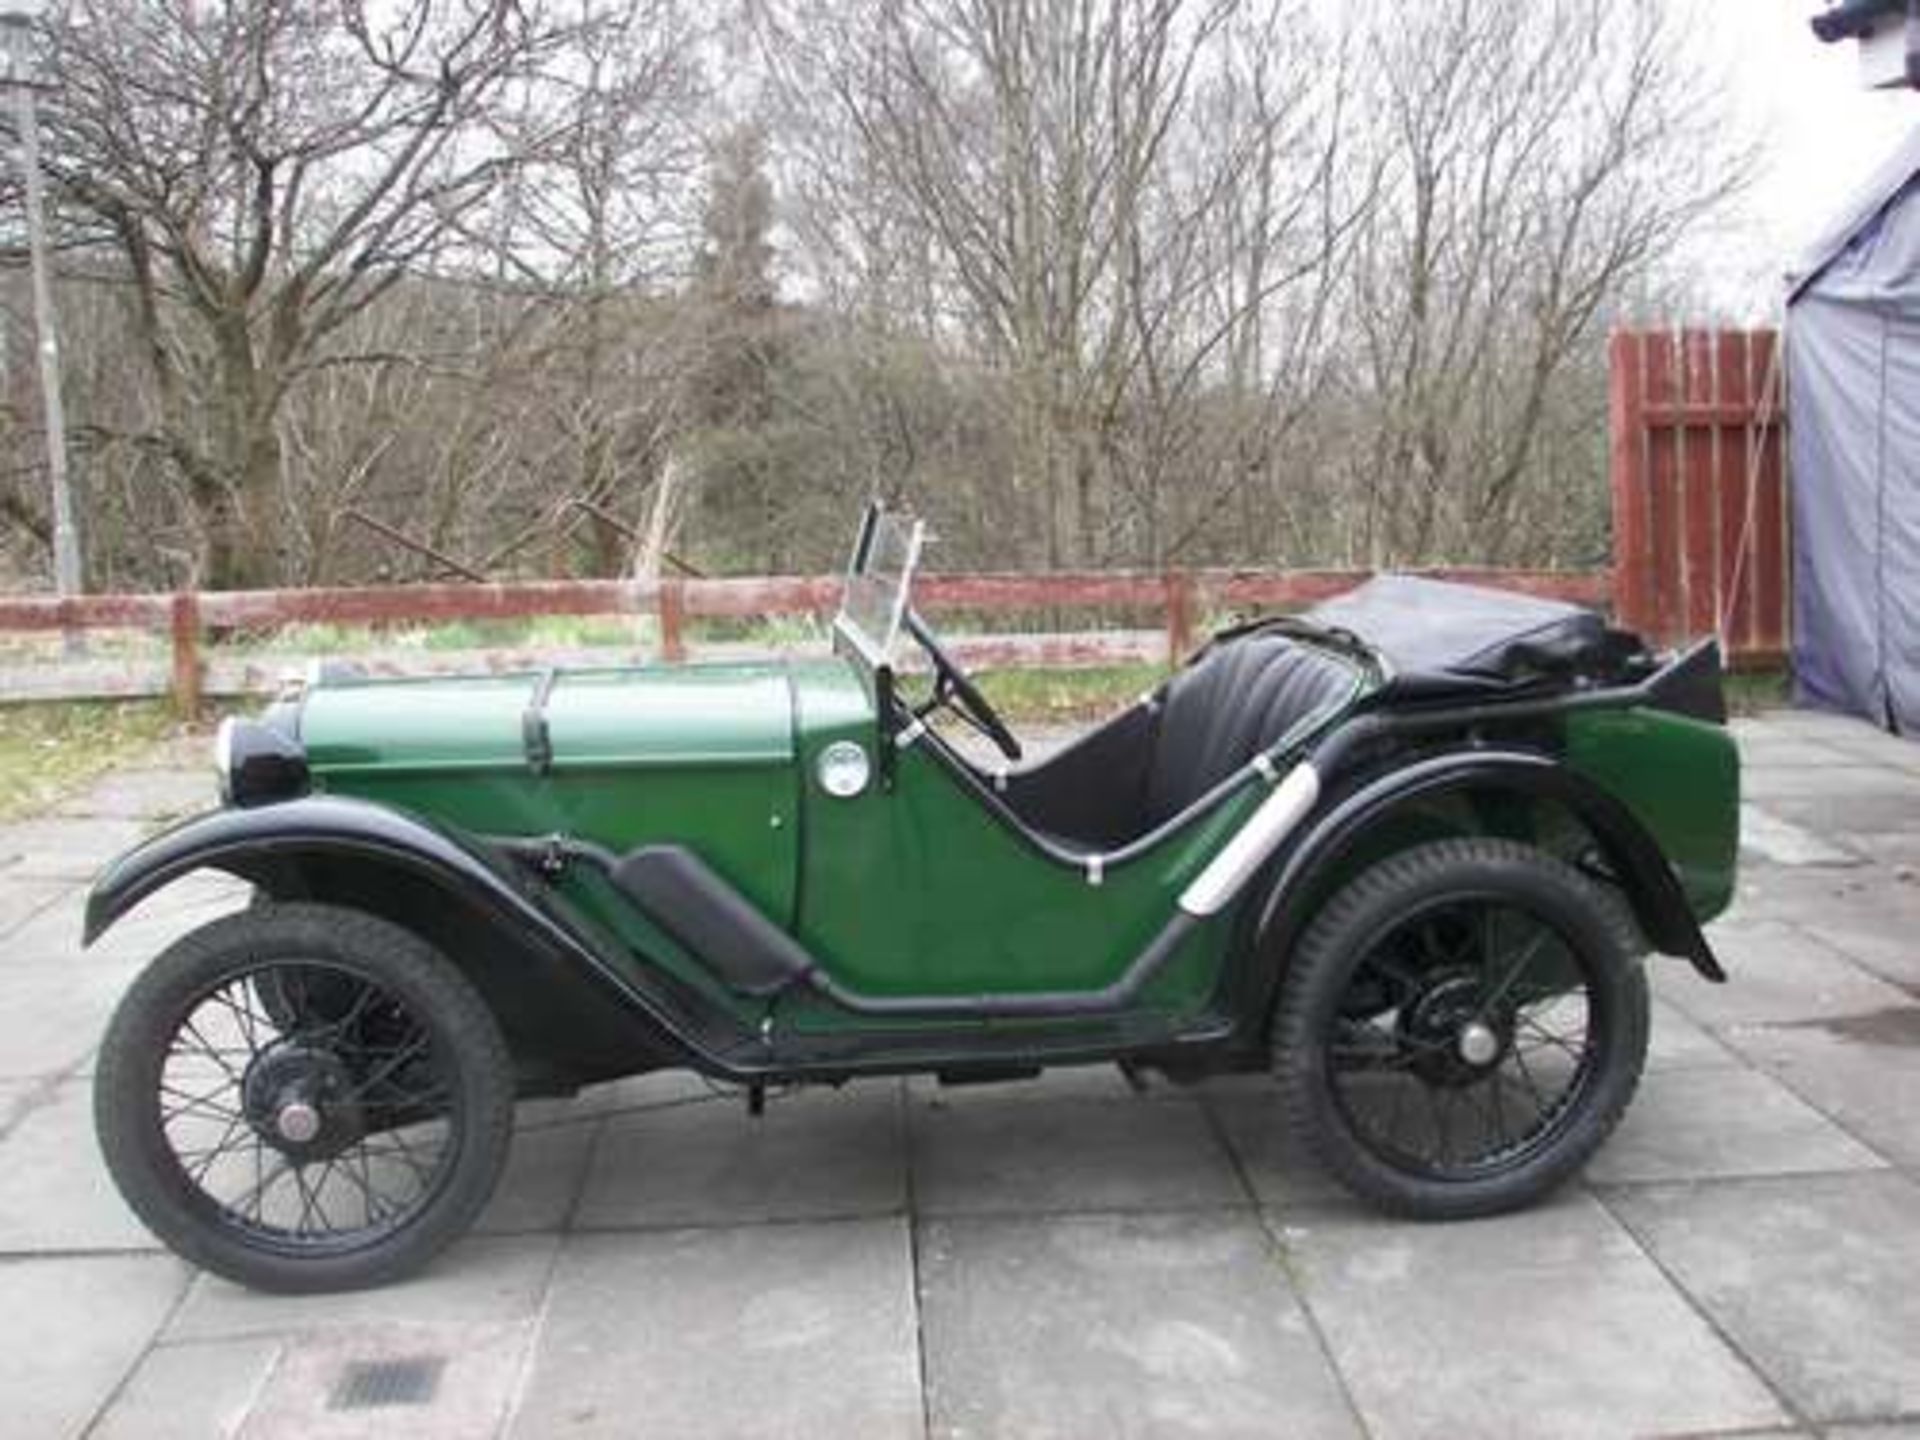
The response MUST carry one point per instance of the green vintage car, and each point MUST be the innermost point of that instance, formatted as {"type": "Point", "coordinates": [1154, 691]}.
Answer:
{"type": "Point", "coordinates": [1406, 852]}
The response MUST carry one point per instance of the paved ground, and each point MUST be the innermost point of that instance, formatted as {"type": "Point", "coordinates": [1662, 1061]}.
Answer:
{"type": "Point", "coordinates": [1061, 1259]}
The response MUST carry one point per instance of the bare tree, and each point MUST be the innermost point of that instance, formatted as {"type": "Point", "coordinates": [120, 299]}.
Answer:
{"type": "Point", "coordinates": [1540, 160]}
{"type": "Point", "coordinates": [266, 171]}
{"type": "Point", "coordinates": [1107, 203]}
{"type": "Point", "coordinates": [1018, 139]}
{"type": "Point", "coordinates": [602, 228]}
{"type": "Point", "coordinates": [1091, 281]}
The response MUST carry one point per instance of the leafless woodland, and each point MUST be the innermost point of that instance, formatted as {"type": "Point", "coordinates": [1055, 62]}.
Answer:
{"type": "Point", "coordinates": [580, 287]}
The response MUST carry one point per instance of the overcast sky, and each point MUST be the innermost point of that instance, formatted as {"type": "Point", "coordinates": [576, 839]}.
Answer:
{"type": "Point", "coordinates": [1824, 134]}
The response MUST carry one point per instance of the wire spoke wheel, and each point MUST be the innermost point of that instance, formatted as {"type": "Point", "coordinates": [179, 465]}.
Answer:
{"type": "Point", "coordinates": [304, 1103]}
{"type": "Point", "coordinates": [304, 1098]}
{"type": "Point", "coordinates": [1483, 1043]}
{"type": "Point", "coordinates": [1461, 1027]}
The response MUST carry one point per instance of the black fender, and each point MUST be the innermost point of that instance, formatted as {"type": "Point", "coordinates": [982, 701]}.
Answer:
{"type": "Point", "coordinates": [268, 845]}
{"type": "Point", "coordinates": [1635, 858]}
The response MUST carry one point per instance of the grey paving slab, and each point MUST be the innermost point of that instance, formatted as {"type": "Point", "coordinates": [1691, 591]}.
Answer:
{"type": "Point", "coordinates": [1281, 1173]}
{"type": "Point", "coordinates": [1161, 1325]}
{"type": "Point", "coordinates": [68, 1001]}
{"type": "Point", "coordinates": [1880, 937]}
{"type": "Point", "coordinates": [634, 1094]}
{"type": "Point", "coordinates": [190, 1392]}
{"type": "Point", "coordinates": [16, 1098]}
{"type": "Point", "coordinates": [71, 1329]}
{"type": "Point", "coordinates": [1070, 1082]}
{"type": "Point", "coordinates": [1876, 746]}
{"type": "Point", "coordinates": [1068, 1155]}
{"type": "Point", "coordinates": [487, 1280]}
{"type": "Point", "coordinates": [51, 933]}
{"type": "Point", "coordinates": [146, 930]}
{"type": "Point", "coordinates": [64, 849]}
{"type": "Point", "coordinates": [1768, 837]}
{"type": "Point", "coordinates": [1813, 1278]}
{"type": "Point", "coordinates": [1811, 724]}
{"type": "Point", "coordinates": [149, 795]}
{"type": "Point", "coordinates": [1897, 852]}
{"type": "Point", "coordinates": [23, 898]}
{"type": "Point", "coordinates": [1848, 810]}
{"type": "Point", "coordinates": [1775, 972]}
{"type": "Point", "coordinates": [1863, 914]}
{"type": "Point", "coordinates": [1676, 1043]}
{"type": "Point", "coordinates": [1686, 1126]}
{"type": "Point", "coordinates": [1766, 892]}
{"type": "Point", "coordinates": [768, 1330]}
{"type": "Point", "coordinates": [1839, 780]}
{"type": "Point", "coordinates": [817, 1155]}
{"type": "Point", "coordinates": [474, 1370]}
{"type": "Point", "coordinates": [1549, 1322]}
{"type": "Point", "coordinates": [545, 1173]}
{"type": "Point", "coordinates": [1863, 1071]}
{"type": "Point", "coordinates": [1769, 749]}
{"type": "Point", "coordinates": [55, 1193]}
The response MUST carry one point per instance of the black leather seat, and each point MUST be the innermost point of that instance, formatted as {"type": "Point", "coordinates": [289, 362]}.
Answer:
{"type": "Point", "coordinates": [1147, 764]}
{"type": "Point", "coordinates": [1440, 640]}
{"type": "Point", "coordinates": [1234, 703]}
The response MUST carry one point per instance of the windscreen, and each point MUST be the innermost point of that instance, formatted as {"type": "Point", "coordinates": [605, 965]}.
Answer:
{"type": "Point", "coordinates": [878, 581]}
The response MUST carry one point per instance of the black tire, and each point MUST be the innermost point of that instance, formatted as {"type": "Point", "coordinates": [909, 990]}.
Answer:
{"type": "Point", "coordinates": [419, 1054]}
{"type": "Point", "coordinates": [1372, 953]}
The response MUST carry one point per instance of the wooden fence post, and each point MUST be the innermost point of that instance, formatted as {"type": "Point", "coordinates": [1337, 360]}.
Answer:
{"type": "Point", "coordinates": [186, 655]}
{"type": "Point", "coordinates": [672, 602]}
{"type": "Point", "coordinates": [1633, 605]}
{"type": "Point", "coordinates": [1180, 607]}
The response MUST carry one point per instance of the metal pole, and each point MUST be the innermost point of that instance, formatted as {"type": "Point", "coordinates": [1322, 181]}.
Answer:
{"type": "Point", "coordinates": [66, 542]}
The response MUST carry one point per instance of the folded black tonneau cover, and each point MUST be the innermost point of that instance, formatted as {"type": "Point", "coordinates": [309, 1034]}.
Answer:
{"type": "Point", "coordinates": [1440, 638]}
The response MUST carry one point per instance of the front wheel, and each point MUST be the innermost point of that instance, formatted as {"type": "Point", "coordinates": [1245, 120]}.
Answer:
{"type": "Point", "coordinates": [304, 1098]}
{"type": "Point", "coordinates": [1461, 1028]}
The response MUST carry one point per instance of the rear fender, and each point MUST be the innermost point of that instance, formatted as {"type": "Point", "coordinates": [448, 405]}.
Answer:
{"type": "Point", "coordinates": [559, 989]}
{"type": "Point", "coordinates": [1631, 853]}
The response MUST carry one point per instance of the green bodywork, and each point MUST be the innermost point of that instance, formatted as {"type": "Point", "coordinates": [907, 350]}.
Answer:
{"type": "Point", "coordinates": [702, 756]}
{"type": "Point", "coordinates": [1681, 779]}
{"type": "Point", "coordinates": [909, 887]}
{"type": "Point", "coordinates": [912, 886]}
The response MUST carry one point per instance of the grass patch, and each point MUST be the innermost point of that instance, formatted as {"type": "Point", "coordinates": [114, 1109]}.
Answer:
{"type": "Point", "coordinates": [1066, 696]}
{"type": "Point", "coordinates": [48, 751]}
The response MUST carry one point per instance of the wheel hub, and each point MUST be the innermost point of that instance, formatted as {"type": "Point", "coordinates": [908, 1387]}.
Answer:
{"type": "Point", "coordinates": [1454, 1042]}
{"type": "Point", "coordinates": [298, 1122]}
{"type": "Point", "coordinates": [299, 1099]}
{"type": "Point", "coordinates": [1477, 1043]}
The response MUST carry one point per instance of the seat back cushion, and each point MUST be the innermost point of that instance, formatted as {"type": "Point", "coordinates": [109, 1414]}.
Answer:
{"type": "Point", "coordinates": [1228, 707]}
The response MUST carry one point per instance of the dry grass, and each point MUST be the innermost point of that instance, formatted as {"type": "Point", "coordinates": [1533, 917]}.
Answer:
{"type": "Point", "coordinates": [49, 751]}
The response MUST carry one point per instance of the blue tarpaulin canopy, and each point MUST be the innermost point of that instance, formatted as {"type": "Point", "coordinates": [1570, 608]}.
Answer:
{"type": "Point", "coordinates": [1853, 405]}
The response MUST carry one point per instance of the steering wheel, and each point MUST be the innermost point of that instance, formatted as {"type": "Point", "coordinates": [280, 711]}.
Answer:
{"type": "Point", "coordinates": [957, 693]}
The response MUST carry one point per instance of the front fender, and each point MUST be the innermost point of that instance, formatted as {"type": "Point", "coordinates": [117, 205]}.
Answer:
{"type": "Point", "coordinates": [274, 847]}
{"type": "Point", "coordinates": [248, 842]}
{"type": "Point", "coordinates": [1659, 903]}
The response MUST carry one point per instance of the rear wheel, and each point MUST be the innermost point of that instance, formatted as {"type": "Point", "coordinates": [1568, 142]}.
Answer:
{"type": "Point", "coordinates": [1461, 1028]}
{"type": "Point", "coordinates": [304, 1098]}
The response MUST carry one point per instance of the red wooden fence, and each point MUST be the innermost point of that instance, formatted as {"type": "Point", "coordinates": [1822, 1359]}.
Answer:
{"type": "Point", "coordinates": [1699, 495]}
{"type": "Point", "coordinates": [1181, 598]}
{"type": "Point", "coordinates": [1700, 548]}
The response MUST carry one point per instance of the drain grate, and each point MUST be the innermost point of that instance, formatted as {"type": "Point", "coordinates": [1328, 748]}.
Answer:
{"type": "Point", "coordinates": [373, 1384]}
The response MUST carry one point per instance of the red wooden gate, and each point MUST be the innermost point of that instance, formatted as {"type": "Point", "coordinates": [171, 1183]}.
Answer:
{"type": "Point", "coordinates": [1699, 495]}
